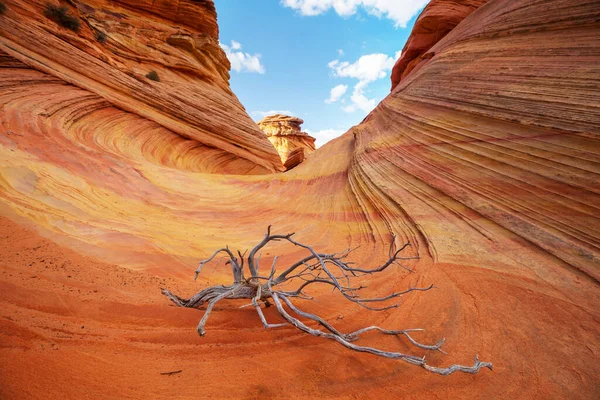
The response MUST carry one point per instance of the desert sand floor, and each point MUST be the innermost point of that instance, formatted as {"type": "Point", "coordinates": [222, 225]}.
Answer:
{"type": "Point", "coordinates": [73, 327]}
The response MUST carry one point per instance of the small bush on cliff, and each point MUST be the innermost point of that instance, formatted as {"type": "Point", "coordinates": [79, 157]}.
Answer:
{"type": "Point", "coordinates": [101, 37]}
{"type": "Point", "coordinates": [153, 76]}
{"type": "Point", "coordinates": [2, 8]}
{"type": "Point", "coordinates": [62, 16]}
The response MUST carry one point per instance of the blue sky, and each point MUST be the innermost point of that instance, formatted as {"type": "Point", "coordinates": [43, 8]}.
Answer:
{"type": "Point", "coordinates": [289, 55]}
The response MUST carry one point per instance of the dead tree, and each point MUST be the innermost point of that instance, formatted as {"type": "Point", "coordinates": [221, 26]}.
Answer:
{"type": "Point", "coordinates": [314, 269]}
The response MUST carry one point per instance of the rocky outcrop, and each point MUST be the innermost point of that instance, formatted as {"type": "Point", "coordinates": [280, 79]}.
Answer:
{"type": "Point", "coordinates": [438, 18]}
{"type": "Point", "coordinates": [291, 143]}
{"type": "Point", "coordinates": [295, 158]}
{"type": "Point", "coordinates": [109, 58]}
{"type": "Point", "coordinates": [485, 158]}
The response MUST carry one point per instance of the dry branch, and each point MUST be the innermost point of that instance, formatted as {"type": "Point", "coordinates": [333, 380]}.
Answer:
{"type": "Point", "coordinates": [318, 269]}
{"type": "Point", "coordinates": [171, 372]}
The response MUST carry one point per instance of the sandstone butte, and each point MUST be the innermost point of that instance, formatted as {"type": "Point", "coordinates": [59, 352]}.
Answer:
{"type": "Point", "coordinates": [291, 143]}
{"type": "Point", "coordinates": [486, 157]}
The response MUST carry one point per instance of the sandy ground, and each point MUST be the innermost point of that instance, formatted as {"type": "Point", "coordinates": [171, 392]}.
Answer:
{"type": "Point", "coordinates": [73, 327]}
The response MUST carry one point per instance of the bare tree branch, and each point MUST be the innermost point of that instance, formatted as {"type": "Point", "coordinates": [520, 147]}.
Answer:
{"type": "Point", "coordinates": [314, 269]}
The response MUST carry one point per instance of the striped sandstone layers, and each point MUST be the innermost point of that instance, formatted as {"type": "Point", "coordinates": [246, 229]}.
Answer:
{"type": "Point", "coordinates": [486, 158]}
{"type": "Point", "coordinates": [436, 21]}
{"type": "Point", "coordinates": [191, 116]}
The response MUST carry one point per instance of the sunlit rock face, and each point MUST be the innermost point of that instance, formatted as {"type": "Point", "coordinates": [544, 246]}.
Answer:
{"type": "Point", "coordinates": [291, 143]}
{"type": "Point", "coordinates": [437, 19]}
{"type": "Point", "coordinates": [196, 121]}
{"type": "Point", "coordinates": [195, 14]}
{"type": "Point", "coordinates": [486, 158]}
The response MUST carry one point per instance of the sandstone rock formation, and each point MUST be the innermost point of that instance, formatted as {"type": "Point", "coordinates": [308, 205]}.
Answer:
{"type": "Point", "coordinates": [190, 111]}
{"type": "Point", "coordinates": [291, 143]}
{"type": "Point", "coordinates": [487, 158]}
{"type": "Point", "coordinates": [436, 21]}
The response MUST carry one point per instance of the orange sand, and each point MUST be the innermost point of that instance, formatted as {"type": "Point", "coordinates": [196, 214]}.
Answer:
{"type": "Point", "coordinates": [73, 327]}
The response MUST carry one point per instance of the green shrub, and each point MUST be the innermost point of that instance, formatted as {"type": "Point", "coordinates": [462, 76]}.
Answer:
{"type": "Point", "coordinates": [101, 37]}
{"type": "Point", "coordinates": [61, 15]}
{"type": "Point", "coordinates": [2, 8]}
{"type": "Point", "coordinates": [153, 75]}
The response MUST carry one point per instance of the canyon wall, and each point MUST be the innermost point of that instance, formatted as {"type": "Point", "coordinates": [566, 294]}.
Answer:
{"type": "Point", "coordinates": [196, 122]}
{"type": "Point", "coordinates": [436, 21]}
{"type": "Point", "coordinates": [486, 158]}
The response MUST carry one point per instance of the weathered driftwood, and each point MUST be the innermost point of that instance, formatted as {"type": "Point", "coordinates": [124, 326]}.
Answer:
{"type": "Point", "coordinates": [314, 269]}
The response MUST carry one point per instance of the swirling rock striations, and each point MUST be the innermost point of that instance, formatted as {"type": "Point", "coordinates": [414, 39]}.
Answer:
{"type": "Point", "coordinates": [195, 14]}
{"type": "Point", "coordinates": [486, 158]}
{"type": "Point", "coordinates": [192, 98]}
{"type": "Point", "coordinates": [291, 143]}
{"type": "Point", "coordinates": [534, 168]}
{"type": "Point", "coordinates": [436, 21]}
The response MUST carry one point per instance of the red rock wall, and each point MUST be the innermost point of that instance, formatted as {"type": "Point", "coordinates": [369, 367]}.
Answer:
{"type": "Point", "coordinates": [192, 99]}
{"type": "Point", "coordinates": [199, 15]}
{"type": "Point", "coordinates": [437, 19]}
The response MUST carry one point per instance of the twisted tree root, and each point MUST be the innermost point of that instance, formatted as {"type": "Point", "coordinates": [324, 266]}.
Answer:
{"type": "Point", "coordinates": [316, 268]}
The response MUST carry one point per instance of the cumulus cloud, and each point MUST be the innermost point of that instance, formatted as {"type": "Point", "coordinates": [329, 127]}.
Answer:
{"type": "Point", "coordinates": [261, 114]}
{"type": "Point", "coordinates": [359, 100]}
{"type": "Point", "coordinates": [240, 61]}
{"type": "Point", "coordinates": [399, 11]}
{"type": "Point", "coordinates": [324, 135]}
{"type": "Point", "coordinates": [340, 52]}
{"type": "Point", "coordinates": [336, 93]}
{"type": "Point", "coordinates": [366, 69]}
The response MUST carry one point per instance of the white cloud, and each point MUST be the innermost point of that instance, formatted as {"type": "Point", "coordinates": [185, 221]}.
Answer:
{"type": "Point", "coordinates": [340, 52]}
{"type": "Point", "coordinates": [366, 69]}
{"type": "Point", "coordinates": [399, 11]}
{"type": "Point", "coordinates": [336, 93]}
{"type": "Point", "coordinates": [324, 135]}
{"type": "Point", "coordinates": [359, 100]}
{"type": "Point", "coordinates": [242, 62]}
{"type": "Point", "coordinates": [262, 114]}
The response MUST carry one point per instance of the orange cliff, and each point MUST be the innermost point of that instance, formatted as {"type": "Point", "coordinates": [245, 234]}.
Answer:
{"type": "Point", "coordinates": [436, 21]}
{"type": "Point", "coordinates": [188, 119]}
{"type": "Point", "coordinates": [291, 143]}
{"type": "Point", "coordinates": [486, 158]}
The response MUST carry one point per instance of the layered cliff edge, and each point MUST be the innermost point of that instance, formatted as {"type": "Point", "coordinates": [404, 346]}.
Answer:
{"type": "Point", "coordinates": [436, 21]}
{"type": "Point", "coordinates": [190, 117]}
{"type": "Point", "coordinates": [486, 158]}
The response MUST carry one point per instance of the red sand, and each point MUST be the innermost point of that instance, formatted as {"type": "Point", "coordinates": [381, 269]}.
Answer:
{"type": "Point", "coordinates": [72, 327]}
